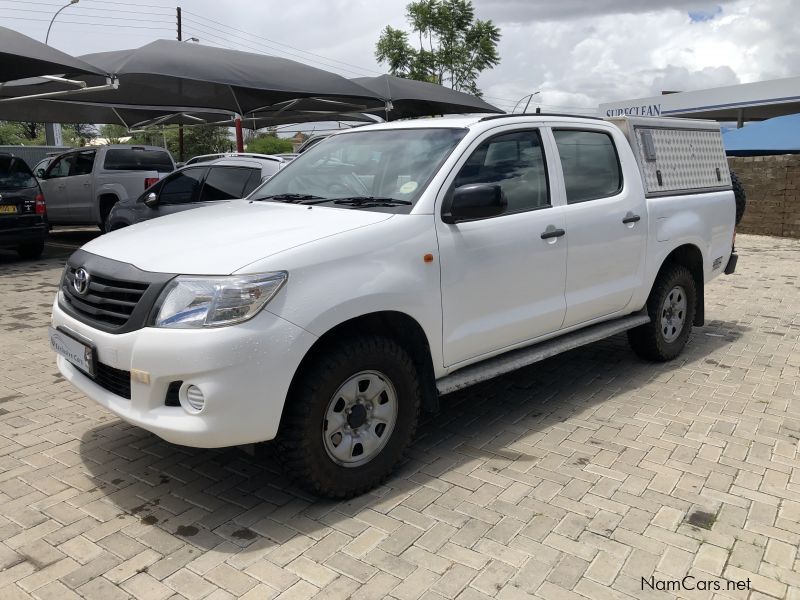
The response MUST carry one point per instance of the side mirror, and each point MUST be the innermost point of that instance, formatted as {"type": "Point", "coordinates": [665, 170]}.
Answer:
{"type": "Point", "coordinates": [151, 200]}
{"type": "Point", "coordinates": [474, 201]}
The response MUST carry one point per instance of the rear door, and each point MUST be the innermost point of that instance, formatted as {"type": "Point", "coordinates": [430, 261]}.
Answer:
{"type": "Point", "coordinates": [54, 187]}
{"type": "Point", "coordinates": [78, 190]}
{"type": "Point", "coordinates": [606, 224]}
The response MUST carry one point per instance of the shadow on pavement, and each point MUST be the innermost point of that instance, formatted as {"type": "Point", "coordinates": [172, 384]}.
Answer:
{"type": "Point", "coordinates": [206, 497]}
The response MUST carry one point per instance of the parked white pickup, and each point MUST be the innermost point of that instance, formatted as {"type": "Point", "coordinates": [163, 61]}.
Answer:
{"type": "Point", "coordinates": [389, 264]}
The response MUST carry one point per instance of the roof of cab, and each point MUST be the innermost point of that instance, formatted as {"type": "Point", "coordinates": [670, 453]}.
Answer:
{"type": "Point", "coordinates": [467, 121]}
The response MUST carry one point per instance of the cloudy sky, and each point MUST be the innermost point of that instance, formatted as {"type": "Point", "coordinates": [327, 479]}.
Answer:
{"type": "Point", "coordinates": [578, 53]}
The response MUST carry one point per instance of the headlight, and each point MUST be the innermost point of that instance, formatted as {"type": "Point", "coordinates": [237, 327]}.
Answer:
{"type": "Point", "coordinates": [194, 302]}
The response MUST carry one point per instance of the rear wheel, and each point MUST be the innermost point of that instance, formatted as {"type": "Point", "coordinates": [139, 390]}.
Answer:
{"type": "Point", "coordinates": [31, 250]}
{"type": "Point", "coordinates": [350, 416]}
{"type": "Point", "coordinates": [671, 307]}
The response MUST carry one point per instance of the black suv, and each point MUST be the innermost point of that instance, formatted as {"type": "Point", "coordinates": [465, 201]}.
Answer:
{"type": "Point", "coordinates": [23, 220]}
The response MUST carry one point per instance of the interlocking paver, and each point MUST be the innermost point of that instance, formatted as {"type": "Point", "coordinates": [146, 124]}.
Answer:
{"type": "Point", "coordinates": [570, 479]}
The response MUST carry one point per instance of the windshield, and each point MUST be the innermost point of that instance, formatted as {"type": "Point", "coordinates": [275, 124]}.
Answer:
{"type": "Point", "coordinates": [387, 168]}
{"type": "Point", "coordinates": [15, 174]}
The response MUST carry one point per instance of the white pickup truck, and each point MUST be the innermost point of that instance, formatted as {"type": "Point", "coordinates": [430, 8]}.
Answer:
{"type": "Point", "coordinates": [83, 185]}
{"type": "Point", "coordinates": [390, 264]}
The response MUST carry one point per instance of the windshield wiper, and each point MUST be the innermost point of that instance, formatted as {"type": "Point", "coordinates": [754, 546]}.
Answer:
{"type": "Point", "coordinates": [291, 198]}
{"type": "Point", "coordinates": [370, 201]}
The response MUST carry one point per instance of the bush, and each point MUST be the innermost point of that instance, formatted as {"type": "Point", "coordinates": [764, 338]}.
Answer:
{"type": "Point", "coordinates": [269, 144]}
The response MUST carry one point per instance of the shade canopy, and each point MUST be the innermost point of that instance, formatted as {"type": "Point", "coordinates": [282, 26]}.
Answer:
{"type": "Point", "coordinates": [168, 73]}
{"type": "Point", "coordinates": [410, 98]}
{"type": "Point", "coordinates": [22, 56]}
{"type": "Point", "coordinates": [780, 135]}
{"type": "Point", "coordinates": [62, 111]}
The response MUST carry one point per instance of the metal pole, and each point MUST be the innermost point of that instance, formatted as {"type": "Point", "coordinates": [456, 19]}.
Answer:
{"type": "Point", "coordinates": [239, 135]}
{"type": "Point", "coordinates": [47, 37]}
{"type": "Point", "coordinates": [180, 125]}
{"type": "Point", "coordinates": [52, 131]}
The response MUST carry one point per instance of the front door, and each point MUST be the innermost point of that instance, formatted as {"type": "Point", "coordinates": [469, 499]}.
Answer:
{"type": "Point", "coordinates": [502, 283]}
{"type": "Point", "coordinates": [54, 188]}
{"type": "Point", "coordinates": [179, 191]}
{"type": "Point", "coordinates": [606, 224]}
{"type": "Point", "coordinates": [79, 187]}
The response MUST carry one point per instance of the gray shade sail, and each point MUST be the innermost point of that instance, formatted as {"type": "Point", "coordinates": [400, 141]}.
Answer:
{"type": "Point", "coordinates": [168, 73]}
{"type": "Point", "coordinates": [410, 98]}
{"type": "Point", "coordinates": [22, 57]}
{"type": "Point", "coordinates": [62, 111]}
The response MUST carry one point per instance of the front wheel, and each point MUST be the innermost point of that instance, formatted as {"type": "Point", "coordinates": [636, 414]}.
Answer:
{"type": "Point", "coordinates": [350, 415]}
{"type": "Point", "coordinates": [671, 306]}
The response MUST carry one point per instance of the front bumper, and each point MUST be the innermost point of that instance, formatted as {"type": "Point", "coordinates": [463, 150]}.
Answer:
{"type": "Point", "coordinates": [244, 372]}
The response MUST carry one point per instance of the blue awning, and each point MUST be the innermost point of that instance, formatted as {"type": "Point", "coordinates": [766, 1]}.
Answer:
{"type": "Point", "coordinates": [780, 135]}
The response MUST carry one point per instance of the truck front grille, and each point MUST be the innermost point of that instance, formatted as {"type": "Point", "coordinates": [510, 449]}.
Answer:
{"type": "Point", "coordinates": [112, 296]}
{"type": "Point", "coordinates": [107, 300]}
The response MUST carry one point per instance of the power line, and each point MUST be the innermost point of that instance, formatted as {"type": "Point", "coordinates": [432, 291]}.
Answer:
{"type": "Point", "coordinates": [282, 44]}
{"type": "Point", "coordinates": [205, 33]}
{"type": "Point", "coordinates": [92, 24]}
{"type": "Point", "coordinates": [79, 14]}
{"type": "Point", "coordinates": [80, 8]}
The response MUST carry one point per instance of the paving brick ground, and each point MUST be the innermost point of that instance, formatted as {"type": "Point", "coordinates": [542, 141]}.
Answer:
{"type": "Point", "coordinates": [572, 479]}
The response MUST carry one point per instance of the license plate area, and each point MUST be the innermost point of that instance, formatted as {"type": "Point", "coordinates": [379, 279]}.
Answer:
{"type": "Point", "coordinates": [78, 351]}
{"type": "Point", "coordinates": [8, 209]}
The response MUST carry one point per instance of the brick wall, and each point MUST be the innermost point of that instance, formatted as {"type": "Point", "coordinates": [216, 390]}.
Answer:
{"type": "Point", "coordinates": [772, 184]}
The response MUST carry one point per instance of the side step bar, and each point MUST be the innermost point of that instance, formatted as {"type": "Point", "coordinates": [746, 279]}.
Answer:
{"type": "Point", "coordinates": [522, 357]}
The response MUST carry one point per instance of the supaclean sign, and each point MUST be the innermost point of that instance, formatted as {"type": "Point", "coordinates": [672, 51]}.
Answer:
{"type": "Point", "coordinates": [645, 110]}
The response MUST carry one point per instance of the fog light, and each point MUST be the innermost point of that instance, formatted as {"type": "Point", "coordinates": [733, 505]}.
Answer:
{"type": "Point", "coordinates": [195, 398]}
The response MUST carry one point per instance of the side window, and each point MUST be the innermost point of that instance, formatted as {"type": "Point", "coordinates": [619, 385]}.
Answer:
{"type": "Point", "coordinates": [225, 183]}
{"type": "Point", "coordinates": [59, 167]}
{"type": "Point", "coordinates": [515, 161]}
{"type": "Point", "coordinates": [182, 187]}
{"type": "Point", "coordinates": [590, 164]}
{"type": "Point", "coordinates": [83, 163]}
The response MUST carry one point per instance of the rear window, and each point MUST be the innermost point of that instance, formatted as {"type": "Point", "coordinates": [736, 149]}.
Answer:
{"type": "Point", "coordinates": [138, 159]}
{"type": "Point", "coordinates": [15, 174]}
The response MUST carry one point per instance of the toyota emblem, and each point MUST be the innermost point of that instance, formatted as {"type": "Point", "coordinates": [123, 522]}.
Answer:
{"type": "Point", "coordinates": [81, 281]}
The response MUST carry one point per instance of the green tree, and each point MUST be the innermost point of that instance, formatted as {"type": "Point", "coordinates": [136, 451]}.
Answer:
{"type": "Point", "coordinates": [16, 133]}
{"type": "Point", "coordinates": [453, 47]}
{"type": "Point", "coordinates": [78, 134]}
{"type": "Point", "coordinates": [113, 133]}
{"type": "Point", "coordinates": [270, 144]}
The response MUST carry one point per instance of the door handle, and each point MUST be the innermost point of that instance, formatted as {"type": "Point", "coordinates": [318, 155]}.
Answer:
{"type": "Point", "coordinates": [87, 184]}
{"type": "Point", "coordinates": [552, 232]}
{"type": "Point", "coordinates": [631, 218]}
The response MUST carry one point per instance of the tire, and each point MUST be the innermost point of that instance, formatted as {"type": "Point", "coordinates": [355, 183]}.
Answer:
{"type": "Point", "coordinates": [106, 204]}
{"type": "Point", "coordinates": [366, 363]}
{"type": "Point", "coordinates": [662, 339]}
{"type": "Point", "coordinates": [31, 250]}
{"type": "Point", "coordinates": [740, 195]}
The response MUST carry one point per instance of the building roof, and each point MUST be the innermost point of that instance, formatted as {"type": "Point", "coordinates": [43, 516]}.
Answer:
{"type": "Point", "coordinates": [748, 101]}
{"type": "Point", "coordinates": [775, 136]}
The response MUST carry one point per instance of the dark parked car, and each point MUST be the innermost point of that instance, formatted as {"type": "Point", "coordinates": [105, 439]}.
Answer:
{"type": "Point", "coordinates": [194, 186]}
{"type": "Point", "coordinates": [23, 220]}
